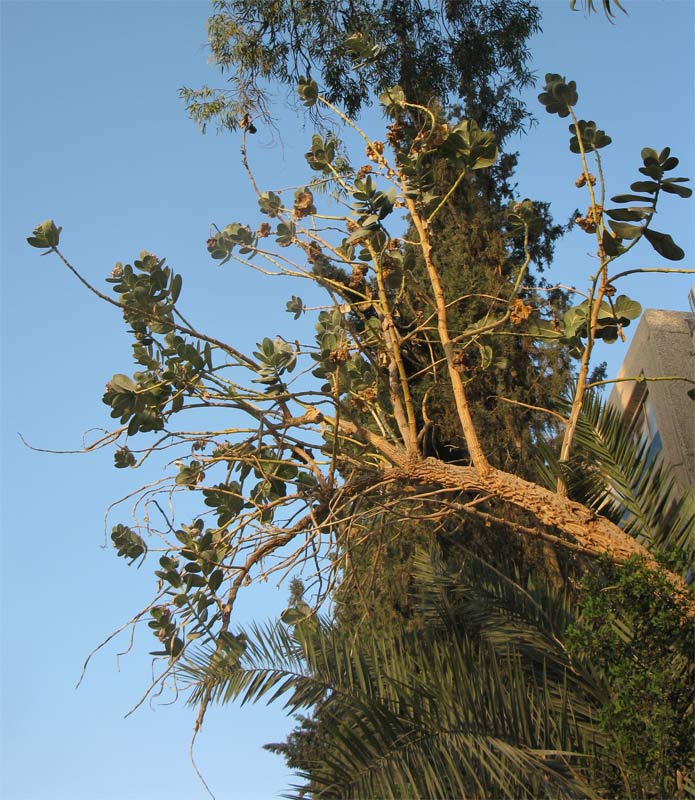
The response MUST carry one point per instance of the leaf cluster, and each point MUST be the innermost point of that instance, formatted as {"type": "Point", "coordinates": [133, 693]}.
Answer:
{"type": "Point", "coordinates": [655, 165]}
{"type": "Point", "coordinates": [639, 635]}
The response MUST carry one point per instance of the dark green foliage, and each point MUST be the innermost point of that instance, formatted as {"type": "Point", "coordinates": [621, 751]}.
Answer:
{"type": "Point", "coordinates": [174, 366]}
{"type": "Point", "coordinates": [593, 699]}
{"type": "Point", "coordinates": [166, 631]}
{"type": "Point", "coordinates": [619, 643]}
{"type": "Point", "coordinates": [559, 96]}
{"type": "Point", "coordinates": [481, 262]}
{"type": "Point", "coordinates": [591, 137]}
{"type": "Point", "coordinates": [639, 634]}
{"type": "Point", "coordinates": [614, 315]}
{"type": "Point", "coordinates": [124, 457]}
{"type": "Point", "coordinates": [226, 499]}
{"type": "Point", "coordinates": [469, 51]}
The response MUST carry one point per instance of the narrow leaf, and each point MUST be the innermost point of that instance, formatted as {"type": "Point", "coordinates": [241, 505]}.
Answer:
{"type": "Point", "coordinates": [633, 214]}
{"type": "Point", "coordinates": [644, 186]}
{"type": "Point", "coordinates": [629, 198]}
{"type": "Point", "coordinates": [674, 188]}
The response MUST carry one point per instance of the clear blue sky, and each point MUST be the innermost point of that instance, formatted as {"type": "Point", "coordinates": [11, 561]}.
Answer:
{"type": "Point", "coordinates": [94, 135]}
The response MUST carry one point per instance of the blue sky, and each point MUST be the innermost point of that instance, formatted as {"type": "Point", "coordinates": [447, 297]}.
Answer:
{"type": "Point", "coordinates": [94, 135]}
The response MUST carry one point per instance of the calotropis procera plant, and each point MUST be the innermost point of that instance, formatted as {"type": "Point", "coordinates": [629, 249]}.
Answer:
{"type": "Point", "coordinates": [602, 315]}
{"type": "Point", "coordinates": [301, 466]}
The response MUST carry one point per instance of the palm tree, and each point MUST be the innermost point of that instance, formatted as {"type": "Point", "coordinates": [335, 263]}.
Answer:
{"type": "Point", "coordinates": [450, 714]}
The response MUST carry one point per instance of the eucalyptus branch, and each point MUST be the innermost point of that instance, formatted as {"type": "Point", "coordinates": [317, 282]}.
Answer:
{"type": "Point", "coordinates": [596, 208]}
{"type": "Point", "coordinates": [542, 410]}
{"type": "Point", "coordinates": [109, 438]}
{"type": "Point", "coordinates": [580, 388]}
{"type": "Point", "coordinates": [596, 296]}
{"type": "Point", "coordinates": [132, 621]}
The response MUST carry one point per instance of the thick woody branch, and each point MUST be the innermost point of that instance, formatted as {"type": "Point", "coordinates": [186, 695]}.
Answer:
{"type": "Point", "coordinates": [462, 407]}
{"type": "Point", "coordinates": [590, 533]}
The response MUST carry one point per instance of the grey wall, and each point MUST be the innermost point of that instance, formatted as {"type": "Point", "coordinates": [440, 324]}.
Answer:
{"type": "Point", "coordinates": [664, 345]}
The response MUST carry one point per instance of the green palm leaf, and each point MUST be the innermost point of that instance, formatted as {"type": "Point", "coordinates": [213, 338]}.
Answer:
{"type": "Point", "coordinates": [615, 473]}
{"type": "Point", "coordinates": [413, 716]}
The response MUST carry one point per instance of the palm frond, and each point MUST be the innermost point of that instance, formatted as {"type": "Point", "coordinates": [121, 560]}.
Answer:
{"type": "Point", "coordinates": [509, 613]}
{"type": "Point", "coordinates": [616, 474]}
{"type": "Point", "coordinates": [409, 716]}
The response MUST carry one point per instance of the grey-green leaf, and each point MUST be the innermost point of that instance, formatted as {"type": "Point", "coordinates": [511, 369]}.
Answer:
{"type": "Point", "coordinates": [47, 234]}
{"type": "Point", "coordinates": [176, 284]}
{"type": "Point", "coordinates": [611, 246]}
{"type": "Point", "coordinates": [626, 231]}
{"type": "Point", "coordinates": [626, 307]}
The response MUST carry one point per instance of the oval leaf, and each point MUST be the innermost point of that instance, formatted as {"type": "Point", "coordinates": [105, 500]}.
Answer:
{"type": "Point", "coordinates": [176, 283]}
{"type": "Point", "coordinates": [664, 245]}
{"type": "Point", "coordinates": [122, 382]}
{"type": "Point", "coordinates": [644, 186]}
{"type": "Point", "coordinates": [611, 246]}
{"type": "Point", "coordinates": [626, 307]}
